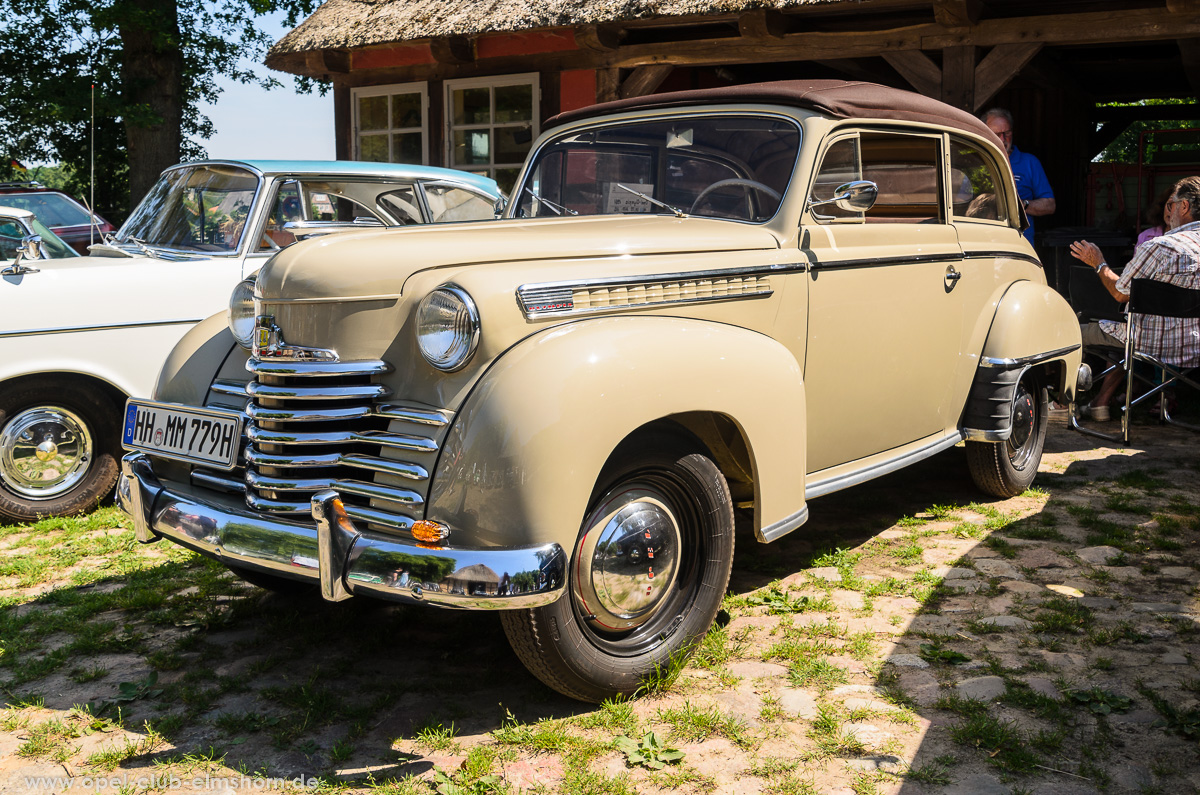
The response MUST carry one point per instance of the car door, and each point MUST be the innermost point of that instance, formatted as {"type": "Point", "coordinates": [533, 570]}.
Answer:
{"type": "Point", "coordinates": [884, 312]}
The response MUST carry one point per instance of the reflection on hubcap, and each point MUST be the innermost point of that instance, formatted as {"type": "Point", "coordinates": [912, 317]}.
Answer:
{"type": "Point", "coordinates": [44, 452]}
{"type": "Point", "coordinates": [1024, 422]}
{"type": "Point", "coordinates": [628, 559]}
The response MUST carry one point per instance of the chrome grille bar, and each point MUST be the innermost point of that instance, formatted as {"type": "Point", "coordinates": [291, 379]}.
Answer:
{"type": "Point", "coordinates": [234, 388]}
{"type": "Point", "coordinates": [273, 414]}
{"type": "Point", "coordinates": [378, 492]}
{"type": "Point", "coordinates": [276, 392]}
{"type": "Point", "coordinates": [315, 369]}
{"type": "Point", "coordinates": [403, 469]}
{"type": "Point", "coordinates": [415, 444]}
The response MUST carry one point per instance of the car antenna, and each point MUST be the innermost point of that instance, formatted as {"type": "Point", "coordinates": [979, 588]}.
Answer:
{"type": "Point", "coordinates": [92, 179]}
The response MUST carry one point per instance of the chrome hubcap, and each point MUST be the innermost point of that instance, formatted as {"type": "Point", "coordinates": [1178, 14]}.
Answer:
{"type": "Point", "coordinates": [44, 452]}
{"type": "Point", "coordinates": [1024, 422]}
{"type": "Point", "coordinates": [627, 559]}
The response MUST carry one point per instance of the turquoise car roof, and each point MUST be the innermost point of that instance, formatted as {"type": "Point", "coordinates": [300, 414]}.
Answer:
{"type": "Point", "coordinates": [359, 168]}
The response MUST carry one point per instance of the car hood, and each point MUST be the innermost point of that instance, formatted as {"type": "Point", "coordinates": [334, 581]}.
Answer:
{"type": "Point", "coordinates": [376, 264]}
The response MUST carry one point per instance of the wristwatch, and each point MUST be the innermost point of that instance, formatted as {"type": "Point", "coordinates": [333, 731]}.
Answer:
{"type": "Point", "coordinates": [1025, 203]}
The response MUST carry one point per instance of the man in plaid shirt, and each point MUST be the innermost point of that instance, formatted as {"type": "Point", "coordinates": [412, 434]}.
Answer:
{"type": "Point", "coordinates": [1173, 258]}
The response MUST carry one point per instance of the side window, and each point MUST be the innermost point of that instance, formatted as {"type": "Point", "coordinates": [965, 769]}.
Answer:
{"type": "Point", "coordinates": [448, 204]}
{"type": "Point", "coordinates": [841, 165]}
{"type": "Point", "coordinates": [11, 234]}
{"type": "Point", "coordinates": [906, 169]}
{"type": "Point", "coordinates": [973, 185]}
{"type": "Point", "coordinates": [402, 205]}
{"type": "Point", "coordinates": [286, 208]}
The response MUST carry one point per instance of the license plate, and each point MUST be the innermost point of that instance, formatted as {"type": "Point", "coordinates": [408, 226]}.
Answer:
{"type": "Point", "coordinates": [201, 436]}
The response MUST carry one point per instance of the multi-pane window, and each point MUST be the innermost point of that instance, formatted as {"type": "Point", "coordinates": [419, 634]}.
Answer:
{"type": "Point", "coordinates": [491, 123]}
{"type": "Point", "coordinates": [905, 169]}
{"type": "Point", "coordinates": [389, 123]}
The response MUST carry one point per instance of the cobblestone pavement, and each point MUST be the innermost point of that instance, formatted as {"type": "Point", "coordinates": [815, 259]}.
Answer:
{"type": "Point", "coordinates": [911, 638]}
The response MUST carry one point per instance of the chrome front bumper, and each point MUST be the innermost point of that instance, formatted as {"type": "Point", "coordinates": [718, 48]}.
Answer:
{"type": "Point", "coordinates": [338, 556]}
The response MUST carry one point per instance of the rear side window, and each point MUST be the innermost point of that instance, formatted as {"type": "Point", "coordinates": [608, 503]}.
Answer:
{"type": "Point", "coordinates": [974, 183]}
{"type": "Point", "coordinates": [905, 168]}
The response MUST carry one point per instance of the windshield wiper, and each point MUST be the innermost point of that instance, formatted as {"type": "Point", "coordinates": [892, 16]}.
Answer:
{"type": "Point", "coordinates": [678, 212]}
{"type": "Point", "coordinates": [141, 244]}
{"type": "Point", "coordinates": [557, 208]}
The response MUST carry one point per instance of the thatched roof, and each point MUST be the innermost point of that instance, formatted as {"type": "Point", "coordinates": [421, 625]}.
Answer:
{"type": "Point", "coordinates": [347, 24]}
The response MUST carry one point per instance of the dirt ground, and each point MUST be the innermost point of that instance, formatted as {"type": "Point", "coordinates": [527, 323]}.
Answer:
{"type": "Point", "coordinates": [911, 638]}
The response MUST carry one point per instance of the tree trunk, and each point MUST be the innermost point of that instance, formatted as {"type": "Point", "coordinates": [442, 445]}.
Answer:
{"type": "Point", "coordinates": [152, 74]}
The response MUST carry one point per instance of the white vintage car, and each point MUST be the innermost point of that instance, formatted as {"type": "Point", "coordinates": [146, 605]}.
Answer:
{"type": "Point", "coordinates": [79, 335]}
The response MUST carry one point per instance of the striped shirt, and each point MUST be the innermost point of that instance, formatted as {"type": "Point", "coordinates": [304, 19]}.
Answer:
{"type": "Point", "coordinates": [1173, 258]}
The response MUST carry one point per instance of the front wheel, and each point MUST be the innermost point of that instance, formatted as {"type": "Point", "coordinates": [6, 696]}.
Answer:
{"type": "Point", "coordinates": [648, 573]}
{"type": "Point", "coordinates": [1005, 469]}
{"type": "Point", "coordinates": [58, 450]}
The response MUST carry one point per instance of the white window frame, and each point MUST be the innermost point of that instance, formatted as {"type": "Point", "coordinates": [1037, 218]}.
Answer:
{"type": "Point", "coordinates": [497, 81]}
{"type": "Point", "coordinates": [421, 88]}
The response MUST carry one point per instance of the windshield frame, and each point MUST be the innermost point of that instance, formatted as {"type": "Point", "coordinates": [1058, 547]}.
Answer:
{"type": "Point", "coordinates": [121, 236]}
{"type": "Point", "coordinates": [525, 183]}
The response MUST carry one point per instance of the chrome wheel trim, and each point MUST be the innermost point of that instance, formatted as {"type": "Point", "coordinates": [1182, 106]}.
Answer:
{"type": "Point", "coordinates": [45, 451]}
{"type": "Point", "coordinates": [1024, 427]}
{"type": "Point", "coordinates": [627, 560]}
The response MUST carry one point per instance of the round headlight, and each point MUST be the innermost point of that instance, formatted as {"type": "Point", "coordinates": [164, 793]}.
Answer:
{"type": "Point", "coordinates": [241, 313]}
{"type": "Point", "coordinates": [447, 327]}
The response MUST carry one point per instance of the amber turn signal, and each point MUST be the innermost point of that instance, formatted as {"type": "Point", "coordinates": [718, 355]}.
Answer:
{"type": "Point", "coordinates": [429, 532]}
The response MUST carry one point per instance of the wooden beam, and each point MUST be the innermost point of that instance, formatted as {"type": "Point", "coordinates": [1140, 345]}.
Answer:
{"type": "Point", "coordinates": [1183, 6]}
{"type": "Point", "coordinates": [957, 13]}
{"type": "Point", "coordinates": [645, 79]}
{"type": "Point", "coordinates": [599, 38]}
{"type": "Point", "coordinates": [453, 50]}
{"type": "Point", "coordinates": [999, 67]}
{"type": "Point", "coordinates": [958, 77]}
{"type": "Point", "coordinates": [762, 23]}
{"type": "Point", "coordinates": [917, 68]}
{"type": "Point", "coordinates": [327, 62]}
{"type": "Point", "coordinates": [608, 84]}
{"type": "Point", "coordinates": [1100, 27]}
{"type": "Point", "coordinates": [1189, 53]}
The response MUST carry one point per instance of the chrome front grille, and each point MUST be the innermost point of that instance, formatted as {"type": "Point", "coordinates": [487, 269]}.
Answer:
{"type": "Point", "coordinates": [323, 425]}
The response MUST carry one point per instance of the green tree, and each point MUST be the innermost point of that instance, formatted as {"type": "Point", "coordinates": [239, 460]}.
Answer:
{"type": "Point", "coordinates": [152, 63]}
{"type": "Point", "coordinates": [1125, 148]}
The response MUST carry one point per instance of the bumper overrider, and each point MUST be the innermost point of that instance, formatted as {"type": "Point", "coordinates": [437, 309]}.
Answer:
{"type": "Point", "coordinates": [341, 558]}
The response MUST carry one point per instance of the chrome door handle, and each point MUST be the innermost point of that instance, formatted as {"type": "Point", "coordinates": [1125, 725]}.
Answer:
{"type": "Point", "coordinates": [952, 275]}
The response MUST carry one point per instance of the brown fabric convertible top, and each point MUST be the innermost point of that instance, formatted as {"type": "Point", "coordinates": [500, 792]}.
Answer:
{"type": "Point", "coordinates": [841, 99]}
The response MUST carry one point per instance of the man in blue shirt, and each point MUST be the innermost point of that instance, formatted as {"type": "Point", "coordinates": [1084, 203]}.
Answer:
{"type": "Point", "coordinates": [1032, 186]}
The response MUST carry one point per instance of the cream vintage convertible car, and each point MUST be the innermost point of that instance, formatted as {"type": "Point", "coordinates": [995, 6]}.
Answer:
{"type": "Point", "coordinates": [746, 297]}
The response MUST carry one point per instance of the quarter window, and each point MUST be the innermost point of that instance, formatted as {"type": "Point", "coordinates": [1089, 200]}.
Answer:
{"type": "Point", "coordinates": [491, 124]}
{"type": "Point", "coordinates": [973, 185]}
{"type": "Point", "coordinates": [389, 123]}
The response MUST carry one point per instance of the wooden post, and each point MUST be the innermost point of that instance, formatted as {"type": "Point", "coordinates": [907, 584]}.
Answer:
{"type": "Point", "coordinates": [645, 79]}
{"type": "Point", "coordinates": [958, 76]}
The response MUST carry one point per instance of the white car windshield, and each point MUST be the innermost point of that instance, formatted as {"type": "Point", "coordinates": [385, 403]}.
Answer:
{"type": "Point", "coordinates": [734, 167]}
{"type": "Point", "coordinates": [200, 209]}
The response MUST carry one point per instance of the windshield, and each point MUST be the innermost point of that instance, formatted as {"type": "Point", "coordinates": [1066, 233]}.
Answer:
{"type": "Point", "coordinates": [734, 167]}
{"type": "Point", "coordinates": [53, 209]}
{"type": "Point", "coordinates": [202, 209]}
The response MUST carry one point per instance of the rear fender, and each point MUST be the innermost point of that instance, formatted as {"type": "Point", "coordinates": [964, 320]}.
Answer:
{"type": "Point", "coordinates": [520, 463]}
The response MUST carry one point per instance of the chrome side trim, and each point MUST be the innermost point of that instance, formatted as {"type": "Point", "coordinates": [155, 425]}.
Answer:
{"type": "Point", "coordinates": [233, 388]}
{"type": "Point", "coordinates": [1025, 361]}
{"type": "Point", "coordinates": [1003, 255]}
{"type": "Point", "coordinates": [365, 563]}
{"type": "Point", "coordinates": [33, 332]}
{"type": "Point", "coordinates": [364, 392]}
{"type": "Point", "coordinates": [318, 368]}
{"type": "Point", "coordinates": [830, 485]}
{"type": "Point", "coordinates": [552, 299]}
{"type": "Point", "coordinates": [874, 262]}
{"type": "Point", "coordinates": [784, 526]}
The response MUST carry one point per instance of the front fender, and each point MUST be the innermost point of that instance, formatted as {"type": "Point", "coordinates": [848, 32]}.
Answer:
{"type": "Point", "coordinates": [519, 464]}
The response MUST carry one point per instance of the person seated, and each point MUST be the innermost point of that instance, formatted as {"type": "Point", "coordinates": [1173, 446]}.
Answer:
{"type": "Point", "coordinates": [1173, 258]}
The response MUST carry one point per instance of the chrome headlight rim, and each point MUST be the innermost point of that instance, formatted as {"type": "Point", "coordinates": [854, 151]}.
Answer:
{"type": "Point", "coordinates": [241, 313]}
{"type": "Point", "coordinates": [466, 352]}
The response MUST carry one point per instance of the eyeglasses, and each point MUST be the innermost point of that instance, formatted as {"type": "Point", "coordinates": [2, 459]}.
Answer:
{"type": "Point", "coordinates": [1003, 133]}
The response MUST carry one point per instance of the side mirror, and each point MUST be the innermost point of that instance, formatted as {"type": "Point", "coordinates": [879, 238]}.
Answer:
{"type": "Point", "coordinates": [853, 197]}
{"type": "Point", "coordinates": [30, 248]}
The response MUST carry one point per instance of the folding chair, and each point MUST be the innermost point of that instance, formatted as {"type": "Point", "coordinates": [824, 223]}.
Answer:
{"type": "Point", "coordinates": [1160, 299]}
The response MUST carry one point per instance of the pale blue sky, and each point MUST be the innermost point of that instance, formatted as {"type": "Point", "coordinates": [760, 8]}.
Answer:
{"type": "Point", "coordinates": [279, 124]}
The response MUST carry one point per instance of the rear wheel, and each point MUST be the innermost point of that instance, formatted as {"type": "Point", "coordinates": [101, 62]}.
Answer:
{"type": "Point", "coordinates": [1005, 469]}
{"type": "Point", "coordinates": [58, 450]}
{"type": "Point", "coordinates": [648, 573]}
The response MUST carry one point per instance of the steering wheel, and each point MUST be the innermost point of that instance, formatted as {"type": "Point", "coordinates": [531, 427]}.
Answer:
{"type": "Point", "coordinates": [745, 183]}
